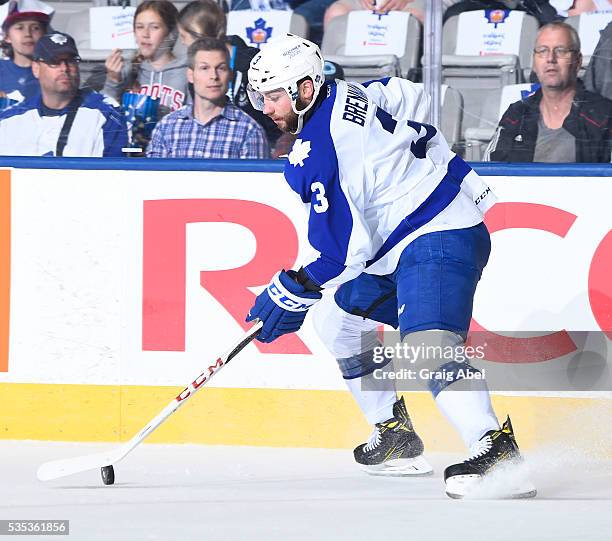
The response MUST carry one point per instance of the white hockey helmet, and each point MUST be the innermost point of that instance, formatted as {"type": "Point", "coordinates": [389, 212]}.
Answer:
{"type": "Point", "coordinates": [281, 63]}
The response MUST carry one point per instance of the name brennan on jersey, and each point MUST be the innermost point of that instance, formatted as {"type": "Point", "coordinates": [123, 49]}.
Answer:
{"type": "Point", "coordinates": [356, 106]}
{"type": "Point", "coordinates": [373, 178]}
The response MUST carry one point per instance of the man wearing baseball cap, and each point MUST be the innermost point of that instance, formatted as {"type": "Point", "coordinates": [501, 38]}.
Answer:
{"type": "Point", "coordinates": [63, 120]}
{"type": "Point", "coordinates": [23, 22]}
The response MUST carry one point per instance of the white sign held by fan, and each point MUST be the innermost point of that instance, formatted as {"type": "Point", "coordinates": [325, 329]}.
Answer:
{"type": "Point", "coordinates": [112, 27]}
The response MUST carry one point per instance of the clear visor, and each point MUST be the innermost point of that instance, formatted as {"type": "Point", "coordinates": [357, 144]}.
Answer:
{"type": "Point", "coordinates": [256, 98]}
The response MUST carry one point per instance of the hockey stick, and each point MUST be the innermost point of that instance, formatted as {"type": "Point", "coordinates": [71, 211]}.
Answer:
{"type": "Point", "coordinates": [69, 466]}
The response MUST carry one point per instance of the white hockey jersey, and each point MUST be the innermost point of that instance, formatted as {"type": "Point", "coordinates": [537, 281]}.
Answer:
{"type": "Point", "coordinates": [375, 178]}
{"type": "Point", "coordinates": [30, 129]}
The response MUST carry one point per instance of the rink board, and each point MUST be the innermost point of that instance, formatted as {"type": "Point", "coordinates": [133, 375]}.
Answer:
{"type": "Point", "coordinates": [276, 417]}
{"type": "Point", "coordinates": [119, 286]}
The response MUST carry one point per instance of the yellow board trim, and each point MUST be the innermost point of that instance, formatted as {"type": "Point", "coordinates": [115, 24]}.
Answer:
{"type": "Point", "coordinates": [5, 266]}
{"type": "Point", "coordinates": [272, 417]}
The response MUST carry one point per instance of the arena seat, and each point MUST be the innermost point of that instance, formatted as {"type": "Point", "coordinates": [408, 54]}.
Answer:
{"type": "Point", "coordinates": [365, 67]}
{"type": "Point", "coordinates": [479, 64]}
{"type": "Point", "coordinates": [477, 138]}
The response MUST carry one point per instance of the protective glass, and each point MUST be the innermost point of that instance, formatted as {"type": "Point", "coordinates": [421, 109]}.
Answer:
{"type": "Point", "coordinates": [256, 98]}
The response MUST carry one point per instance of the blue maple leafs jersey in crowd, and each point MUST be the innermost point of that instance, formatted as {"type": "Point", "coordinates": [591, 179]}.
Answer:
{"type": "Point", "coordinates": [31, 129]}
{"type": "Point", "coordinates": [375, 179]}
{"type": "Point", "coordinates": [16, 81]}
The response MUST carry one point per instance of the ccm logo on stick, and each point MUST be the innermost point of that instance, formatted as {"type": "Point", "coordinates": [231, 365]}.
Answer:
{"type": "Point", "coordinates": [200, 380]}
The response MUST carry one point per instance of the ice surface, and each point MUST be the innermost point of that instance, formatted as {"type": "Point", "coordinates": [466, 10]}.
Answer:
{"type": "Point", "coordinates": [184, 492]}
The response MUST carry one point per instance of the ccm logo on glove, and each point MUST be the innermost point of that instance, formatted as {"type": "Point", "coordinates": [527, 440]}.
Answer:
{"type": "Point", "coordinates": [285, 299]}
{"type": "Point", "coordinates": [282, 306]}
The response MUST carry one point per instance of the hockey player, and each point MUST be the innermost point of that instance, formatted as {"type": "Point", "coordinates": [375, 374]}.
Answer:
{"type": "Point", "coordinates": [396, 224]}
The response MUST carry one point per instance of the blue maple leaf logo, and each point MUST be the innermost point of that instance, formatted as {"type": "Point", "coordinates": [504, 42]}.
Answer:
{"type": "Point", "coordinates": [259, 34]}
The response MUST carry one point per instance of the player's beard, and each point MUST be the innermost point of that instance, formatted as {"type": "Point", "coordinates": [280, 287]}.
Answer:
{"type": "Point", "coordinates": [291, 122]}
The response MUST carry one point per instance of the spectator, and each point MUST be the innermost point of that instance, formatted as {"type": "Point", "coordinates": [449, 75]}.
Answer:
{"type": "Point", "coordinates": [587, 6]}
{"type": "Point", "coordinates": [201, 19]}
{"type": "Point", "coordinates": [314, 13]}
{"type": "Point", "coordinates": [154, 71]}
{"type": "Point", "coordinates": [569, 8]}
{"type": "Point", "coordinates": [211, 127]}
{"type": "Point", "coordinates": [62, 120]}
{"type": "Point", "coordinates": [542, 10]}
{"type": "Point", "coordinates": [25, 23]}
{"type": "Point", "coordinates": [561, 122]}
{"type": "Point", "coordinates": [205, 18]}
{"type": "Point", "coordinates": [598, 76]}
{"type": "Point", "coordinates": [561, 6]}
{"type": "Point", "coordinates": [342, 7]}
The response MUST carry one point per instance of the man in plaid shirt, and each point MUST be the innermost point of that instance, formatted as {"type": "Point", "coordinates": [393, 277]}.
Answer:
{"type": "Point", "coordinates": [211, 127]}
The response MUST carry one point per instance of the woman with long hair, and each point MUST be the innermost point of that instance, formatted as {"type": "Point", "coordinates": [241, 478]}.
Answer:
{"type": "Point", "coordinates": [154, 71]}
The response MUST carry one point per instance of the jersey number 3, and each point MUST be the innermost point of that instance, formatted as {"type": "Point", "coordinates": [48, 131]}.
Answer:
{"type": "Point", "coordinates": [321, 204]}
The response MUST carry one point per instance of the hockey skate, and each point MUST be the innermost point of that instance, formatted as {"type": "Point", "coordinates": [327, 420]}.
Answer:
{"type": "Point", "coordinates": [394, 448]}
{"type": "Point", "coordinates": [494, 470]}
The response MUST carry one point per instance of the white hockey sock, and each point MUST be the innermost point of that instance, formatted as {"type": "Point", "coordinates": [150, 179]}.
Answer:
{"type": "Point", "coordinates": [470, 412]}
{"type": "Point", "coordinates": [377, 406]}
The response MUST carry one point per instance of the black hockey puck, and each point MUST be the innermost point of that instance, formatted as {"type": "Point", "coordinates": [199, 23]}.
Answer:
{"type": "Point", "coordinates": [108, 475]}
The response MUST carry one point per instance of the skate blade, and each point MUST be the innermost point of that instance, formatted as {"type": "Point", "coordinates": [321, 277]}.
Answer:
{"type": "Point", "coordinates": [400, 467]}
{"type": "Point", "coordinates": [476, 487]}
